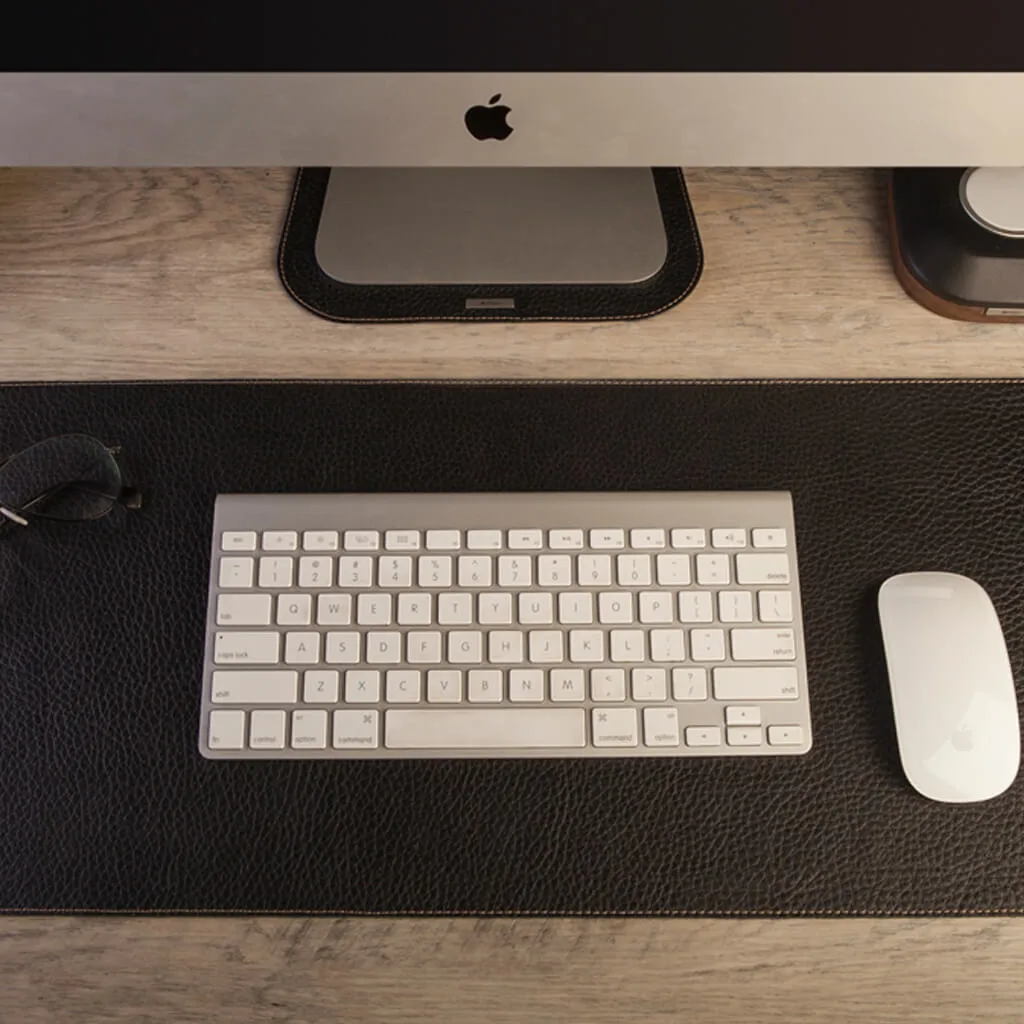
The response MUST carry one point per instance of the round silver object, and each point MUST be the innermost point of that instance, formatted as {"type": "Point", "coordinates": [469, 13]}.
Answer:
{"type": "Point", "coordinates": [994, 197]}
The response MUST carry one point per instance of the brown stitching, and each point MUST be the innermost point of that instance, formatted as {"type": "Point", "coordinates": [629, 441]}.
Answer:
{"type": "Point", "coordinates": [698, 267]}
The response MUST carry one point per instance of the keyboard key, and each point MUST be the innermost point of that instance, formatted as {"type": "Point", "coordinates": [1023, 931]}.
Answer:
{"type": "Point", "coordinates": [333, 609]}
{"type": "Point", "coordinates": [301, 648]}
{"type": "Point", "coordinates": [655, 607]}
{"type": "Point", "coordinates": [485, 729]}
{"type": "Point", "coordinates": [246, 648]}
{"type": "Point", "coordinates": [770, 538]}
{"type": "Point", "coordinates": [294, 609]}
{"type": "Point", "coordinates": [443, 540]}
{"type": "Point", "coordinates": [276, 572]}
{"type": "Point", "coordinates": [689, 684]}
{"type": "Point", "coordinates": [568, 684]}
{"type": "Point", "coordinates": [689, 538]}
{"type": "Point", "coordinates": [355, 571]}
{"type": "Point", "coordinates": [271, 687]}
{"type": "Point", "coordinates": [266, 730]}
{"type": "Point", "coordinates": [565, 540]}
{"type": "Point", "coordinates": [575, 608]}
{"type": "Point", "coordinates": [749, 715]}
{"type": "Point", "coordinates": [243, 609]}
{"type": "Point", "coordinates": [342, 648]}
{"type": "Point", "coordinates": [362, 540]}
{"type": "Point", "coordinates": [526, 684]}
{"type": "Point", "coordinates": [373, 609]}
{"type": "Point", "coordinates": [235, 573]}
{"type": "Point", "coordinates": [667, 645]}
{"type": "Point", "coordinates": [515, 571]}
{"type": "Point", "coordinates": [394, 571]}
{"type": "Point", "coordinates": [735, 606]}
{"type": "Point", "coordinates": [546, 646]}
{"type": "Point", "coordinates": [483, 540]}
{"type": "Point", "coordinates": [444, 686]}
{"type": "Point", "coordinates": [280, 540]}
{"type": "Point", "coordinates": [775, 606]}
{"type": "Point", "coordinates": [316, 572]}
{"type": "Point", "coordinates": [627, 645]}
{"type": "Point", "coordinates": [505, 647]}
{"type": "Point", "coordinates": [466, 647]}
{"type": "Point", "coordinates": [356, 730]}
{"type": "Point", "coordinates": [634, 570]}
{"type": "Point", "coordinates": [237, 540]}
{"type": "Point", "coordinates": [661, 727]}
{"type": "Point", "coordinates": [768, 683]}
{"type": "Point", "coordinates": [649, 684]}
{"type": "Point", "coordinates": [320, 540]}
{"type": "Point", "coordinates": [495, 610]}
{"type": "Point", "coordinates": [594, 570]}
{"type": "Point", "coordinates": [525, 540]}
{"type": "Point", "coordinates": [309, 730]}
{"type": "Point", "coordinates": [423, 648]}
{"type": "Point", "coordinates": [615, 607]}
{"type": "Point", "coordinates": [743, 736]}
{"type": "Point", "coordinates": [766, 568]}
{"type": "Point", "coordinates": [695, 606]}
{"type": "Point", "coordinates": [763, 645]}
{"type": "Point", "coordinates": [607, 684]}
{"type": "Point", "coordinates": [614, 727]}
{"type": "Point", "coordinates": [383, 648]}
{"type": "Point", "coordinates": [586, 645]}
{"type": "Point", "coordinates": [227, 730]}
{"type": "Point", "coordinates": [404, 686]}
{"type": "Point", "coordinates": [435, 570]}
{"type": "Point", "coordinates": [785, 736]}
{"type": "Point", "coordinates": [707, 644]}
{"type": "Point", "coordinates": [455, 609]}
{"type": "Point", "coordinates": [485, 686]}
{"type": "Point", "coordinates": [402, 540]}
{"type": "Point", "coordinates": [647, 538]}
{"type": "Point", "coordinates": [362, 686]}
{"type": "Point", "coordinates": [713, 570]}
{"type": "Point", "coordinates": [320, 686]}
{"type": "Point", "coordinates": [414, 609]}
{"type": "Point", "coordinates": [554, 571]}
{"type": "Point", "coordinates": [703, 736]}
{"type": "Point", "coordinates": [730, 538]}
{"type": "Point", "coordinates": [536, 609]}
{"type": "Point", "coordinates": [673, 570]}
{"type": "Point", "coordinates": [601, 540]}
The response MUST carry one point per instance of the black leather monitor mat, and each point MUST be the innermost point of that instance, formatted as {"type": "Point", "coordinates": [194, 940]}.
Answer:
{"type": "Point", "coordinates": [105, 804]}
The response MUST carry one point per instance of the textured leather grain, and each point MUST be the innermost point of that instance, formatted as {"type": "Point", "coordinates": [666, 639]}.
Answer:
{"type": "Point", "coordinates": [318, 292]}
{"type": "Point", "coordinates": [105, 803]}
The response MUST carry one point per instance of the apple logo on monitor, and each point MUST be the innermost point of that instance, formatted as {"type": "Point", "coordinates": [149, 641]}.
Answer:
{"type": "Point", "coordinates": [489, 122]}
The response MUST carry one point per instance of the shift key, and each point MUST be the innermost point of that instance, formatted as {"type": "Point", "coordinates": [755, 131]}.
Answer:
{"type": "Point", "coordinates": [273, 687]}
{"type": "Point", "coordinates": [772, 683]}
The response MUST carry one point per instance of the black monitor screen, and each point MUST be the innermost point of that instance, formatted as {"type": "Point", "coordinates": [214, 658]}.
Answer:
{"type": "Point", "coordinates": [517, 35]}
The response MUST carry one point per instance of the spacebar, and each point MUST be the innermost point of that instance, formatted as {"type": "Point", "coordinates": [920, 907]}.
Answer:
{"type": "Point", "coordinates": [485, 729]}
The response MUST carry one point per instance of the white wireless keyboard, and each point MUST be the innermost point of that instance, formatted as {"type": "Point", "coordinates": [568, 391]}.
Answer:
{"type": "Point", "coordinates": [504, 625]}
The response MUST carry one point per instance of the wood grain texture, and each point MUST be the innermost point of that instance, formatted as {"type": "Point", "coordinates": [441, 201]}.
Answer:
{"type": "Point", "coordinates": [170, 274]}
{"type": "Point", "coordinates": [254, 970]}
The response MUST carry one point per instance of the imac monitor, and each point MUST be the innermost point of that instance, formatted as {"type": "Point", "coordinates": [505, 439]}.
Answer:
{"type": "Point", "coordinates": [558, 83]}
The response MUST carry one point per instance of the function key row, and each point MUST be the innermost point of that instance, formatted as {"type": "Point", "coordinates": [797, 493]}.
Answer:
{"type": "Point", "coordinates": [497, 540]}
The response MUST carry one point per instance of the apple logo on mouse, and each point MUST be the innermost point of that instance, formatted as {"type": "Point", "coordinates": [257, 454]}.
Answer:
{"type": "Point", "coordinates": [962, 740]}
{"type": "Point", "coordinates": [489, 122]}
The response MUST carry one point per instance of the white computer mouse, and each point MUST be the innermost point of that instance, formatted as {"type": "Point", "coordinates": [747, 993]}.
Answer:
{"type": "Point", "coordinates": [952, 687]}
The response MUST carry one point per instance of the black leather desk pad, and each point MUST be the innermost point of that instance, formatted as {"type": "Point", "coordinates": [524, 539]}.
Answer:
{"type": "Point", "coordinates": [106, 805]}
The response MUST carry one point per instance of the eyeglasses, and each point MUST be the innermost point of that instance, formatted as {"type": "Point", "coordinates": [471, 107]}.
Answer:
{"type": "Point", "coordinates": [71, 477]}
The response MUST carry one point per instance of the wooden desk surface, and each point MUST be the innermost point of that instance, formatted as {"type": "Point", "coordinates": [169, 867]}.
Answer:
{"type": "Point", "coordinates": [168, 274]}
